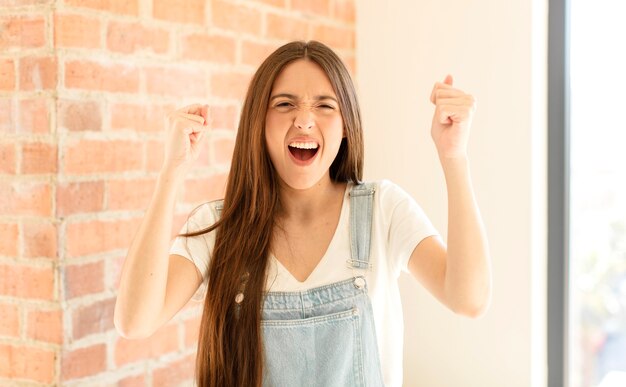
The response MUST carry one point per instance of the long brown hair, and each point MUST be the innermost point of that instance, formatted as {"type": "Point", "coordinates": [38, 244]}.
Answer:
{"type": "Point", "coordinates": [230, 351]}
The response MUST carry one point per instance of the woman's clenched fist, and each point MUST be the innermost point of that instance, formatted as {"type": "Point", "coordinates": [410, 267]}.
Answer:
{"type": "Point", "coordinates": [185, 130]}
{"type": "Point", "coordinates": [454, 110]}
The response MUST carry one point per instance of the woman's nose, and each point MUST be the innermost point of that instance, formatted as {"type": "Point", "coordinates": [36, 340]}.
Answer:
{"type": "Point", "coordinates": [304, 119]}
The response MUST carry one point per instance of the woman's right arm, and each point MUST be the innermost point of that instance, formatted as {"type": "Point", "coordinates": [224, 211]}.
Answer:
{"type": "Point", "coordinates": [153, 284]}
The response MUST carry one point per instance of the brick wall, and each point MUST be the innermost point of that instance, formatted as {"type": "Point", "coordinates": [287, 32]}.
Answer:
{"type": "Point", "coordinates": [84, 85]}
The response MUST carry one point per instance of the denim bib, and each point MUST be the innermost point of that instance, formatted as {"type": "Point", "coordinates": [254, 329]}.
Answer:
{"type": "Point", "coordinates": [325, 336]}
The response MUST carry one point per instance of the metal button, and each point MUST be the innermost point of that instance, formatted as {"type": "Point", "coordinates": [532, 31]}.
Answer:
{"type": "Point", "coordinates": [239, 298]}
{"type": "Point", "coordinates": [359, 282]}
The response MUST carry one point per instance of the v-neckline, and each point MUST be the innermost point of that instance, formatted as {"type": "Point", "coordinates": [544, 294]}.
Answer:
{"type": "Point", "coordinates": [344, 205]}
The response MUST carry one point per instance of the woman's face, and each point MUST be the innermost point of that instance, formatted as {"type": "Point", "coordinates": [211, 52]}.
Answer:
{"type": "Point", "coordinates": [303, 125]}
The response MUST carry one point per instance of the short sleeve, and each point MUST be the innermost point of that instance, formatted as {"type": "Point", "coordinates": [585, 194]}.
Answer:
{"type": "Point", "coordinates": [197, 248]}
{"type": "Point", "coordinates": [407, 223]}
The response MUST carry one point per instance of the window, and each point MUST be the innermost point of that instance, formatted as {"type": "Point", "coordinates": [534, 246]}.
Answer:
{"type": "Point", "coordinates": [587, 194]}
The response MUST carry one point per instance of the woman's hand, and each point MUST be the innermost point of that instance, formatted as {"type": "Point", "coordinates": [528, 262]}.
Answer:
{"type": "Point", "coordinates": [186, 127]}
{"type": "Point", "coordinates": [452, 119]}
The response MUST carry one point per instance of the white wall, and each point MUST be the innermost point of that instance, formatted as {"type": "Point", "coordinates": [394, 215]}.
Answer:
{"type": "Point", "coordinates": [496, 51]}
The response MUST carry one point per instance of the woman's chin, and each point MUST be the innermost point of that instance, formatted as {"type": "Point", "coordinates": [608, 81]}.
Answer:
{"type": "Point", "coordinates": [302, 183]}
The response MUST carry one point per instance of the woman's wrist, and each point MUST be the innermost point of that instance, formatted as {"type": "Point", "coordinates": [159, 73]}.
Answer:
{"type": "Point", "coordinates": [454, 161]}
{"type": "Point", "coordinates": [173, 173]}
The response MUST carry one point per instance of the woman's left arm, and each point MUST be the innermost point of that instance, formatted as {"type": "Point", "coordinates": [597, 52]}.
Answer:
{"type": "Point", "coordinates": [461, 276]}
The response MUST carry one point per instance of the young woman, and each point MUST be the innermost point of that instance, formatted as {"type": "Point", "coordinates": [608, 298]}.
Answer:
{"type": "Point", "coordinates": [298, 264]}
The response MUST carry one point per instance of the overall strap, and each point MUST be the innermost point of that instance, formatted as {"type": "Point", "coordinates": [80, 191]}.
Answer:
{"type": "Point", "coordinates": [361, 212]}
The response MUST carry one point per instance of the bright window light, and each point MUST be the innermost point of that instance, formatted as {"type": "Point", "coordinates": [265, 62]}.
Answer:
{"type": "Point", "coordinates": [597, 291]}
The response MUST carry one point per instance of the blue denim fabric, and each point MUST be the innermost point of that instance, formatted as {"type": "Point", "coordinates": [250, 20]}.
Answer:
{"type": "Point", "coordinates": [325, 336]}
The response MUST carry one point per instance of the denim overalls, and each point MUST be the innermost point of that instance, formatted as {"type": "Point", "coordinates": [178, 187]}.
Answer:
{"type": "Point", "coordinates": [325, 336]}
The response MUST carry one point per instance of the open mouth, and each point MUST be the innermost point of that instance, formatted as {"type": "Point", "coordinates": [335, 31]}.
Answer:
{"type": "Point", "coordinates": [303, 151]}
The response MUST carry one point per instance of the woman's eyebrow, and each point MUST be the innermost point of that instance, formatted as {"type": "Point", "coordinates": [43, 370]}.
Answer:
{"type": "Point", "coordinates": [317, 97]}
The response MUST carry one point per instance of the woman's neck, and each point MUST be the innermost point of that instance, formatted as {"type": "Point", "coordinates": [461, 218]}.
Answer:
{"type": "Point", "coordinates": [303, 204]}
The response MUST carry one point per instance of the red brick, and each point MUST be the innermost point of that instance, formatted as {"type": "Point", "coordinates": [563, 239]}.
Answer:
{"type": "Point", "coordinates": [83, 362]}
{"type": "Point", "coordinates": [91, 237]}
{"type": "Point", "coordinates": [222, 150]}
{"type": "Point", "coordinates": [210, 48]}
{"type": "Point", "coordinates": [286, 28]}
{"type": "Point", "coordinates": [115, 269]}
{"type": "Point", "coordinates": [83, 74]}
{"type": "Point", "coordinates": [79, 116]}
{"type": "Point", "coordinates": [236, 17]}
{"type": "Point", "coordinates": [10, 321]}
{"type": "Point", "coordinates": [94, 318]}
{"type": "Point", "coordinates": [124, 7]}
{"type": "Point", "coordinates": [38, 73]}
{"type": "Point", "coordinates": [192, 329]}
{"type": "Point", "coordinates": [25, 198]}
{"type": "Point", "coordinates": [163, 341]}
{"type": "Point", "coordinates": [180, 372]}
{"type": "Point", "coordinates": [7, 159]}
{"type": "Point", "coordinates": [45, 326]}
{"type": "Point", "coordinates": [34, 116]}
{"type": "Point", "coordinates": [7, 123]}
{"type": "Point", "coordinates": [130, 194]}
{"type": "Point", "coordinates": [350, 63]}
{"type": "Point", "coordinates": [253, 53]}
{"type": "Point", "coordinates": [79, 197]}
{"type": "Point", "coordinates": [317, 7]}
{"type": "Point", "coordinates": [344, 11]}
{"type": "Point", "coordinates": [7, 74]}
{"type": "Point", "coordinates": [27, 282]}
{"type": "Point", "coordinates": [335, 37]}
{"type": "Point", "coordinates": [230, 85]}
{"type": "Point", "coordinates": [188, 12]}
{"type": "Point", "coordinates": [139, 117]}
{"type": "Point", "coordinates": [178, 82]}
{"type": "Point", "coordinates": [273, 3]}
{"type": "Point", "coordinates": [92, 156]}
{"type": "Point", "coordinates": [83, 279]}
{"type": "Point", "coordinates": [8, 242]}
{"type": "Point", "coordinates": [25, 362]}
{"type": "Point", "coordinates": [21, 3]}
{"type": "Point", "coordinates": [40, 239]}
{"type": "Point", "coordinates": [201, 190]}
{"type": "Point", "coordinates": [132, 37]}
{"type": "Point", "coordinates": [132, 381]}
{"type": "Point", "coordinates": [224, 117]}
{"type": "Point", "coordinates": [22, 32]}
{"type": "Point", "coordinates": [76, 31]}
{"type": "Point", "coordinates": [39, 157]}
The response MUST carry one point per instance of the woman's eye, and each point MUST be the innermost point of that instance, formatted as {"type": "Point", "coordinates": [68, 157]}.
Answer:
{"type": "Point", "coordinates": [287, 104]}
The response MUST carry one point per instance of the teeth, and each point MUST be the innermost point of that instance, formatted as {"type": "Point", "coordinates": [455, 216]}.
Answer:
{"type": "Point", "coordinates": [304, 145]}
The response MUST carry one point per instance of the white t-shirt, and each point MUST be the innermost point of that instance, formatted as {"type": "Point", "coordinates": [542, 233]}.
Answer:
{"type": "Point", "coordinates": [398, 225]}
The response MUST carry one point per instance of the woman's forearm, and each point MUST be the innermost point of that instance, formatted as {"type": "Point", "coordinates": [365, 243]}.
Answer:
{"type": "Point", "coordinates": [143, 279]}
{"type": "Point", "coordinates": [468, 268]}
